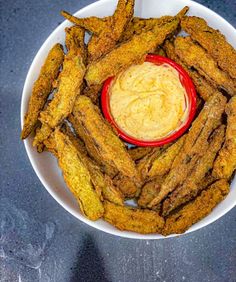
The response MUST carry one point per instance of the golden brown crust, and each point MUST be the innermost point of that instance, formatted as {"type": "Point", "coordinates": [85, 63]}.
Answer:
{"type": "Point", "coordinates": [132, 219]}
{"type": "Point", "coordinates": [145, 163]}
{"type": "Point", "coordinates": [192, 185]}
{"type": "Point", "coordinates": [139, 25]}
{"type": "Point", "coordinates": [126, 185]}
{"type": "Point", "coordinates": [102, 183]}
{"type": "Point", "coordinates": [111, 193]}
{"type": "Point", "coordinates": [138, 153]}
{"type": "Point", "coordinates": [42, 134]}
{"type": "Point", "coordinates": [67, 129]}
{"type": "Point", "coordinates": [213, 41]}
{"type": "Point", "coordinates": [77, 177]}
{"type": "Point", "coordinates": [100, 45]}
{"type": "Point", "coordinates": [93, 24]}
{"type": "Point", "coordinates": [149, 191]}
{"type": "Point", "coordinates": [162, 164]}
{"type": "Point", "coordinates": [71, 78]}
{"type": "Point", "coordinates": [128, 53]}
{"type": "Point", "coordinates": [208, 119]}
{"type": "Point", "coordinates": [42, 88]}
{"type": "Point", "coordinates": [106, 31]}
{"type": "Point", "coordinates": [101, 142]}
{"type": "Point", "coordinates": [225, 163]}
{"type": "Point", "coordinates": [193, 55]}
{"type": "Point", "coordinates": [50, 145]}
{"type": "Point", "coordinates": [195, 145]}
{"type": "Point", "coordinates": [203, 87]}
{"type": "Point", "coordinates": [194, 211]}
{"type": "Point", "coordinates": [75, 42]}
{"type": "Point", "coordinates": [93, 93]}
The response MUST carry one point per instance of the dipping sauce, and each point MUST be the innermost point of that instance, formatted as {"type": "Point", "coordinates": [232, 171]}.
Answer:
{"type": "Point", "coordinates": [148, 101]}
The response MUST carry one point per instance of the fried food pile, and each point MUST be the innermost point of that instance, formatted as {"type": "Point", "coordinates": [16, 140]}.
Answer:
{"type": "Point", "coordinates": [173, 186]}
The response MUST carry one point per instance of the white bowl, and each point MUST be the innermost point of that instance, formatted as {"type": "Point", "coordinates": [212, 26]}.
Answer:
{"type": "Point", "coordinates": [45, 165]}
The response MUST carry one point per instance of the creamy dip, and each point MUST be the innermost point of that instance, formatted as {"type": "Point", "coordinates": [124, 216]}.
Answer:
{"type": "Point", "coordinates": [148, 101]}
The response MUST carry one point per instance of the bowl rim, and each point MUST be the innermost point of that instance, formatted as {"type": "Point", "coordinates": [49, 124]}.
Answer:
{"type": "Point", "coordinates": [191, 95]}
{"type": "Point", "coordinates": [27, 143]}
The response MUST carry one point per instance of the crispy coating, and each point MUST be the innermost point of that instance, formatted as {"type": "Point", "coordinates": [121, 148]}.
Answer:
{"type": "Point", "coordinates": [41, 135]}
{"type": "Point", "coordinates": [182, 12]}
{"type": "Point", "coordinates": [93, 24]}
{"type": "Point", "coordinates": [138, 153]}
{"type": "Point", "coordinates": [138, 25]}
{"type": "Point", "coordinates": [77, 142]}
{"type": "Point", "coordinates": [90, 147]}
{"type": "Point", "coordinates": [66, 130]}
{"type": "Point", "coordinates": [101, 141]}
{"type": "Point", "coordinates": [102, 183]}
{"type": "Point", "coordinates": [100, 45]}
{"type": "Point", "coordinates": [42, 88]}
{"type": "Point", "coordinates": [128, 53]}
{"type": "Point", "coordinates": [162, 164]}
{"type": "Point", "coordinates": [75, 42]}
{"type": "Point", "coordinates": [77, 177]}
{"type": "Point", "coordinates": [194, 211]}
{"type": "Point", "coordinates": [195, 56]}
{"type": "Point", "coordinates": [93, 92]}
{"type": "Point", "coordinates": [111, 192]}
{"type": "Point", "coordinates": [202, 127]}
{"type": "Point", "coordinates": [122, 16]}
{"type": "Point", "coordinates": [208, 180]}
{"type": "Point", "coordinates": [195, 145]}
{"type": "Point", "coordinates": [126, 185]}
{"type": "Point", "coordinates": [159, 51]}
{"type": "Point", "coordinates": [191, 187]}
{"type": "Point", "coordinates": [213, 41]}
{"type": "Point", "coordinates": [133, 219]}
{"type": "Point", "coordinates": [70, 82]}
{"type": "Point", "coordinates": [50, 145]}
{"type": "Point", "coordinates": [149, 191]}
{"type": "Point", "coordinates": [71, 78]}
{"type": "Point", "coordinates": [145, 163]}
{"type": "Point", "coordinates": [203, 87]}
{"type": "Point", "coordinates": [225, 163]}
{"type": "Point", "coordinates": [107, 31]}
{"type": "Point", "coordinates": [106, 167]}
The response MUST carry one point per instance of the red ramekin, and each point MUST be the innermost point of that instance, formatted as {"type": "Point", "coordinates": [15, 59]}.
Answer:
{"type": "Point", "coordinates": [191, 96]}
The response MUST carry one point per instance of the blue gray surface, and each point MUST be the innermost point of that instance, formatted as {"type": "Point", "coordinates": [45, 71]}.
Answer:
{"type": "Point", "coordinates": [45, 242]}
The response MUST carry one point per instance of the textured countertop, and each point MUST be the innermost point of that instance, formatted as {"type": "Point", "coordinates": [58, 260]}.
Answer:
{"type": "Point", "coordinates": [39, 240]}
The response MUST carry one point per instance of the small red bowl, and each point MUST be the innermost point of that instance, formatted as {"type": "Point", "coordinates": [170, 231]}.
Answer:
{"type": "Point", "coordinates": [191, 96]}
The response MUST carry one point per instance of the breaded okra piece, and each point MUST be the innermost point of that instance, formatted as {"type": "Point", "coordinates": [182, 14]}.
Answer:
{"type": "Point", "coordinates": [194, 211]}
{"type": "Point", "coordinates": [133, 219]}
{"type": "Point", "coordinates": [213, 41]}
{"type": "Point", "coordinates": [128, 53]}
{"type": "Point", "coordinates": [101, 141]}
{"type": "Point", "coordinates": [71, 78]}
{"type": "Point", "coordinates": [77, 176]}
{"type": "Point", "coordinates": [225, 163]}
{"type": "Point", "coordinates": [193, 55]}
{"type": "Point", "coordinates": [42, 88]}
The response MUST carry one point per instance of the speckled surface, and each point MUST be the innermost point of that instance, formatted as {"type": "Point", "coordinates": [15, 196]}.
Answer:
{"type": "Point", "coordinates": [66, 249]}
